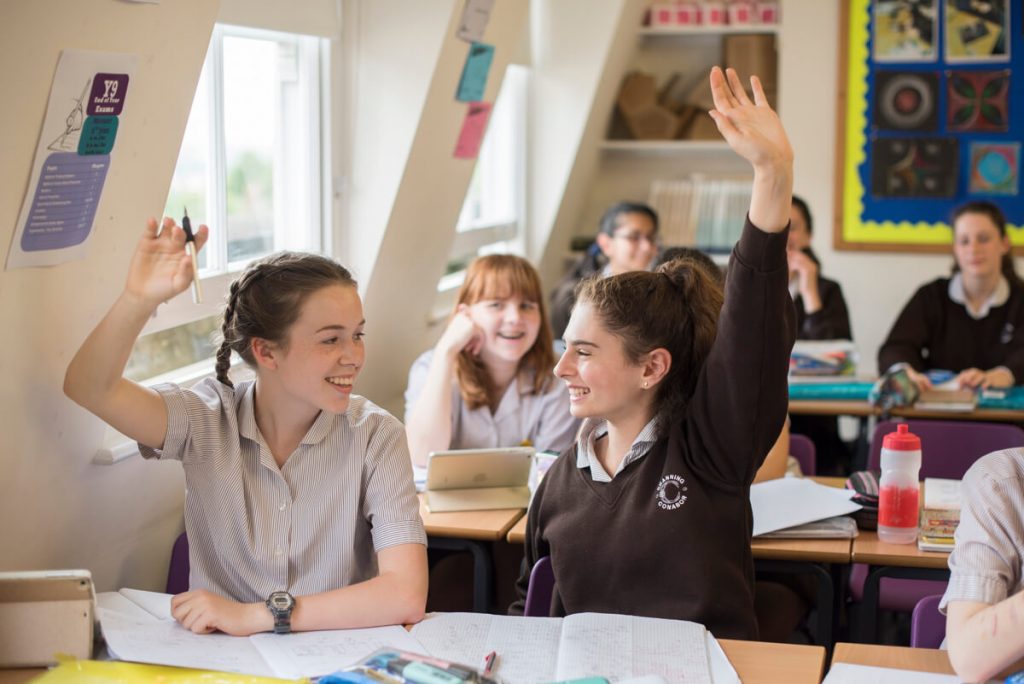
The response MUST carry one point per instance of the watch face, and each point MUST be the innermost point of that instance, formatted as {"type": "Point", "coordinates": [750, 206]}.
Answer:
{"type": "Point", "coordinates": [281, 601]}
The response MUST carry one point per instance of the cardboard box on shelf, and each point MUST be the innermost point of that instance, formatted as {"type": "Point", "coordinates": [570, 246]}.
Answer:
{"type": "Point", "coordinates": [645, 116]}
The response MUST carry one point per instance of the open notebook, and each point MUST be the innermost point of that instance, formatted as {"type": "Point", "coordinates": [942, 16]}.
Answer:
{"type": "Point", "coordinates": [616, 647]}
{"type": "Point", "coordinates": [138, 626]}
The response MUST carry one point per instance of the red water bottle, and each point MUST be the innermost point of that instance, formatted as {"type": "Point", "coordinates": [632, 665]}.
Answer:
{"type": "Point", "coordinates": [899, 488]}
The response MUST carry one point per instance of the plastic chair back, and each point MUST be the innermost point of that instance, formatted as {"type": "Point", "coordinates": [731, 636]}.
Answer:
{"type": "Point", "coordinates": [927, 624]}
{"type": "Point", "coordinates": [178, 571]}
{"type": "Point", "coordinates": [540, 589]}
{"type": "Point", "coordinates": [802, 449]}
{"type": "Point", "coordinates": [950, 447]}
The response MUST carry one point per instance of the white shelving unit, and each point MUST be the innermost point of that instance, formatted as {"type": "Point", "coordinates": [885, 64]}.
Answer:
{"type": "Point", "coordinates": [708, 30]}
{"type": "Point", "coordinates": [664, 146]}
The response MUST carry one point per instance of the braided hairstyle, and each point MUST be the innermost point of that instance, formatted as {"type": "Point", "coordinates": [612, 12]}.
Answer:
{"type": "Point", "coordinates": [675, 308]}
{"type": "Point", "coordinates": [267, 299]}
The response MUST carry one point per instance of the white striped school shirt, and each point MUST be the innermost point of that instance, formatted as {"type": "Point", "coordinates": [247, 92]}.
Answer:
{"type": "Point", "coordinates": [311, 526]}
{"type": "Point", "coordinates": [985, 565]}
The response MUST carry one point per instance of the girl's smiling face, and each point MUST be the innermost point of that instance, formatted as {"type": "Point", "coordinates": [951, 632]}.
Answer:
{"type": "Point", "coordinates": [509, 324]}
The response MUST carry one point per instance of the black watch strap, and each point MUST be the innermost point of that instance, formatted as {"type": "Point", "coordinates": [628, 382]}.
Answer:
{"type": "Point", "coordinates": [281, 604]}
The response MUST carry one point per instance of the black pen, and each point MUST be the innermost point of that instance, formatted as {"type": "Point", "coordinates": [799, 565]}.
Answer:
{"type": "Point", "coordinates": [190, 247]}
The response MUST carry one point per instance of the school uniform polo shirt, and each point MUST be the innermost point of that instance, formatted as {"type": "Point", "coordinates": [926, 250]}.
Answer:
{"type": "Point", "coordinates": [523, 416]}
{"type": "Point", "coordinates": [985, 565]}
{"type": "Point", "coordinates": [312, 525]}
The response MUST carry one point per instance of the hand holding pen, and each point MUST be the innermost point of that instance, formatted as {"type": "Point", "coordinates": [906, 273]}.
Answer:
{"type": "Point", "coordinates": [193, 251]}
{"type": "Point", "coordinates": [161, 268]}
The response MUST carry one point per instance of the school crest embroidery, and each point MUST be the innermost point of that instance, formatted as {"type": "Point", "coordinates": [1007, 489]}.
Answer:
{"type": "Point", "coordinates": [670, 492]}
{"type": "Point", "coordinates": [1007, 333]}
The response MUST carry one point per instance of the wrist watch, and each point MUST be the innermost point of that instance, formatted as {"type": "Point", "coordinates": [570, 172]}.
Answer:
{"type": "Point", "coordinates": [281, 604]}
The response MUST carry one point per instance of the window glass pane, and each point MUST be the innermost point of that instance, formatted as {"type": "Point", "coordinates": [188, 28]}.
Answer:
{"type": "Point", "coordinates": [251, 122]}
{"type": "Point", "coordinates": [190, 183]}
{"type": "Point", "coordinates": [173, 348]}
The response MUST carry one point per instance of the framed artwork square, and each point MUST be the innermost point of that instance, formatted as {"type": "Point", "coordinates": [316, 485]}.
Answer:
{"type": "Point", "coordinates": [977, 101]}
{"type": "Point", "coordinates": [977, 31]}
{"type": "Point", "coordinates": [914, 167]}
{"type": "Point", "coordinates": [995, 168]}
{"type": "Point", "coordinates": [904, 30]}
{"type": "Point", "coordinates": [906, 101]}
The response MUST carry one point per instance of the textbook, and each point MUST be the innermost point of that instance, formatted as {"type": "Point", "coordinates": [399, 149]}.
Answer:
{"type": "Point", "coordinates": [614, 647]}
{"type": "Point", "coordinates": [138, 626]}
{"type": "Point", "coordinates": [942, 399]}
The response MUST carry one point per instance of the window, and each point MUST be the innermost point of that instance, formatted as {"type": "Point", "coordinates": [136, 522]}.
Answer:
{"type": "Point", "coordinates": [490, 220]}
{"type": "Point", "coordinates": [251, 167]}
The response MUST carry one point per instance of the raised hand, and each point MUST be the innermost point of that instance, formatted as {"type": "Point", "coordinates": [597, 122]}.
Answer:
{"type": "Point", "coordinates": [160, 267]}
{"type": "Point", "coordinates": [752, 129]}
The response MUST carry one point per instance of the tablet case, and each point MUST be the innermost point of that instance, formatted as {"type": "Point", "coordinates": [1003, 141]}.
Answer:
{"type": "Point", "coordinates": [478, 479]}
{"type": "Point", "coordinates": [45, 613]}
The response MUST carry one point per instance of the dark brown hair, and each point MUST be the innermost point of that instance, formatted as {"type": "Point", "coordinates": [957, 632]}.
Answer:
{"type": "Point", "coordinates": [675, 308]}
{"type": "Point", "coordinates": [499, 276]}
{"type": "Point", "coordinates": [994, 214]}
{"type": "Point", "coordinates": [267, 299]}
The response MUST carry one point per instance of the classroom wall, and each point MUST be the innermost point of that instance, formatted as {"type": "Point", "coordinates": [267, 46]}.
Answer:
{"type": "Point", "coordinates": [57, 508]}
{"type": "Point", "coordinates": [876, 284]}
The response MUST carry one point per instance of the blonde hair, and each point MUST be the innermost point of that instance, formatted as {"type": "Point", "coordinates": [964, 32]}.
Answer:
{"type": "Point", "coordinates": [499, 276]}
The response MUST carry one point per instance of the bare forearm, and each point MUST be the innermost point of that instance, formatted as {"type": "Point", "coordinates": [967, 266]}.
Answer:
{"type": "Point", "coordinates": [388, 599]}
{"type": "Point", "coordinates": [100, 362]}
{"type": "Point", "coordinates": [430, 423]}
{"type": "Point", "coordinates": [772, 195]}
{"type": "Point", "coordinates": [989, 640]}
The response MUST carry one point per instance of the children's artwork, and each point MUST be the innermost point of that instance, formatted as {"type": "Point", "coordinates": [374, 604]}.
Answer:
{"type": "Point", "coordinates": [995, 168]}
{"type": "Point", "coordinates": [78, 136]}
{"type": "Point", "coordinates": [905, 30]}
{"type": "Point", "coordinates": [914, 167]}
{"type": "Point", "coordinates": [977, 31]}
{"type": "Point", "coordinates": [978, 100]}
{"type": "Point", "coordinates": [922, 131]}
{"type": "Point", "coordinates": [907, 101]}
{"type": "Point", "coordinates": [475, 16]}
{"type": "Point", "coordinates": [474, 73]}
{"type": "Point", "coordinates": [473, 128]}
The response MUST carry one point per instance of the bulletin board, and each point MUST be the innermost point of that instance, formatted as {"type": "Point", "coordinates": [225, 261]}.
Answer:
{"type": "Point", "coordinates": [930, 115]}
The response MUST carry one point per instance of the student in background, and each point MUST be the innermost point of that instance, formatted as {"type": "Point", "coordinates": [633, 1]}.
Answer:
{"type": "Point", "coordinates": [821, 314]}
{"type": "Point", "coordinates": [487, 382]}
{"type": "Point", "coordinates": [971, 323]}
{"type": "Point", "coordinates": [681, 405]}
{"type": "Point", "coordinates": [297, 490]}
{"type": "Point", "coordinates": [626, 241]}
{"type": "Point", "coordinates": [984, 601]}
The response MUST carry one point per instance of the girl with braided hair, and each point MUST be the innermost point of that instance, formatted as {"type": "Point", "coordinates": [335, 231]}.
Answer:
{"type": "Point", "coordinates": [300, 509]}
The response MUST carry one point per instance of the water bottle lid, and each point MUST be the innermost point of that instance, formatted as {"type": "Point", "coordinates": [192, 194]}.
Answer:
{"type": "Point", "coordinates": [902, 439]}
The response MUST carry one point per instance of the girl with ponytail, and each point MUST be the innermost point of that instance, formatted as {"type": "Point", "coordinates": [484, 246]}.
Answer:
{"type": "Point", "coordinates": [681, 397]}
{"type": "Point", "coordinates": [300, 508]}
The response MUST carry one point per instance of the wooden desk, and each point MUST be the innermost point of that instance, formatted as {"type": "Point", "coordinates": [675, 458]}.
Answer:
{"type": "Point", "coordinates": [825, 407]}
{"type": "Point", "coordinates": [902, 561]}
{"type": "Point", "coordinates": [897, 657]}
{"type": "Point", "coordinates": [19, 676]}
{"type": "Point", "coordinates": [517, 535]}
{"type": "Point", "coordinates": [758, 662]}
{"type": "Point", "coordinates": [471, 531]}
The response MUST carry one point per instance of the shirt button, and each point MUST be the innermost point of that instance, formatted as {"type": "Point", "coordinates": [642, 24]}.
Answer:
{"type": "Point", "coordinates": [282, 506]}
{"type": "Point", "coordinates": [278, 551]}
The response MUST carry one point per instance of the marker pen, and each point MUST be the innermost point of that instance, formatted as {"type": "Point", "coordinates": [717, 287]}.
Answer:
{"type": "Point", "coordinates": [190, 248]}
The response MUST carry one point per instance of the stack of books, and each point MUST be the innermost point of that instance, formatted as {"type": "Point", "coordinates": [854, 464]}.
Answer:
{"type": "Point", "coordinates": [829, 358]}
{"type": "Point", "coordinates": [940, 514]}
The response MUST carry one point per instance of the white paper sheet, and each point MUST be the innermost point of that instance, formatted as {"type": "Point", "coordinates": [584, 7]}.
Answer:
{"type": "Point", "coordinates": [789, 501]}
{"type": "Point", "coordinates": [314, 654]}
{"type": "Point", "coordinates": [845, 673]}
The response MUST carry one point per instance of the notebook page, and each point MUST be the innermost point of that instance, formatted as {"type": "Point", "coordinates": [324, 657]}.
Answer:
{"type": "Point", "coordinates": [155, 603]}
{"type": "Point", "coordinates": [619, 647]}
{"type": "Point", "coordinates": [526, 647]}
{"type": "Point", "coordinates": [113, 602]}
{"type": "Point", "coordinates": [168, 643]}
{"type": "Point", "coordinates": [313, 654]}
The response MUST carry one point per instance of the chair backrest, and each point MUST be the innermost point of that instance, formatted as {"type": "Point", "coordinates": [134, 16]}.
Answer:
{"type": "Point", "coordinates": [177, 572]}
{"type": "Point", "coordinates": [950, 447]}
{"type": "Point", "coordinates": [540, 589]}
{"type": "Point", "coordinates": [802, 449]}
{"type": "Point", "coordinates": [927, 624]}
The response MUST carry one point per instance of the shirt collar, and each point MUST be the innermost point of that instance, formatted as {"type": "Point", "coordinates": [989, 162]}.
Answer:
{"type": "Point", "coordinates": [595, 428]}
{"type": "Point", "coordinates": [247, 418]}
{"type": "Point", "coordinates": [997, 298]}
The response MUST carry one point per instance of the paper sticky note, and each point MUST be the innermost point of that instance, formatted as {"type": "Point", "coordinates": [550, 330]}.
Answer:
{"type": "Point", "coordinates": [473, 128]}
{"type": "Point", "coordinates": [475, 15]}
{"type": "Point", "coordinates": [474, 73]}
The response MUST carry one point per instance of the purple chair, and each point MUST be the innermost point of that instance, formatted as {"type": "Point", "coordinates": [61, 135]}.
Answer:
{"type": "Point", "coordinates": [177, 572]}
{"type": "Point", "coordinates": [802, 449]}
{"type": "Point", "coordinates": [927, 624]}
{"type": "Point", "coordinates": [540, 589]}
{"type": "Point", "coordinates": [948, 449]}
